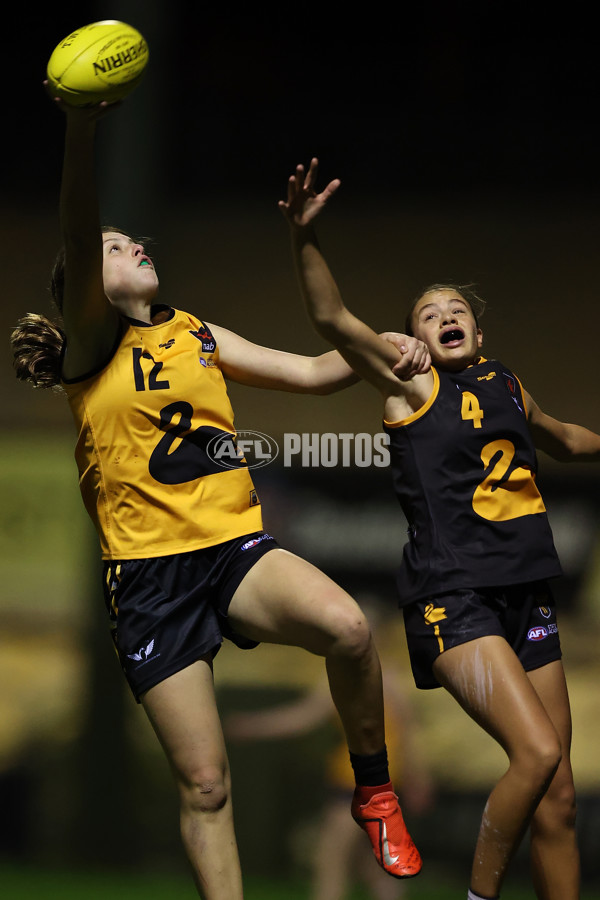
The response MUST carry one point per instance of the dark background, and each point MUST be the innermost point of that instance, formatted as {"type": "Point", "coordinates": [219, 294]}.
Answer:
{"type": "Point", "coordinates": [465, 136]}
{"type": "Point", "coordinates": [418, 98]}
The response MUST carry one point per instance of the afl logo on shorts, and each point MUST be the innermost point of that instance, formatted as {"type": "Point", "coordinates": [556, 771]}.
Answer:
{"type": "Point", "coordinates": [537, 634]}
{"type": "Point", "coordinates": [254, 541]}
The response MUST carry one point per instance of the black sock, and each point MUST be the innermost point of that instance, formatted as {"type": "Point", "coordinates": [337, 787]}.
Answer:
{"type": "Point", "coordinates": [371, 770]}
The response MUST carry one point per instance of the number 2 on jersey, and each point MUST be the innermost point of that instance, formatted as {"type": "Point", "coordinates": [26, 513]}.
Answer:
{"type": "Point", "coordinates": [506, 491]}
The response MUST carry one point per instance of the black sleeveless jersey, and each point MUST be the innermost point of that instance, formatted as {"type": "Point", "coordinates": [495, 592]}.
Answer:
{"type": "Point", "coordinates": [464, 469]}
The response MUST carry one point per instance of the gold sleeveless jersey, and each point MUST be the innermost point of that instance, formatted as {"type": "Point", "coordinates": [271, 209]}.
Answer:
{"type": "Point", "coordinates": [159, 471]}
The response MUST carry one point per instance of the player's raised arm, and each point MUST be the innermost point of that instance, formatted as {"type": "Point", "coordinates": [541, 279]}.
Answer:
{"type": "Point", "coordinates": [90, 322]}
{"type": "Point", "coordinates": [368, 353]}
{"type": "Point", "coordinates": [562, 441]}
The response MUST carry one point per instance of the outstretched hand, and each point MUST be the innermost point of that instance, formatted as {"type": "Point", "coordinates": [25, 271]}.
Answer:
{"type": "Point", "coordinates": [415, 360]}
{"type": "Point", "coordinates": [303, 203]}
{"type": "Point", "coordinates": [94, 111]}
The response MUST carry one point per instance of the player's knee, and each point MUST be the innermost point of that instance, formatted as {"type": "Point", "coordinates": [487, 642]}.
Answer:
{"type": "Point", "coordinates": [550, 755]}
{"type": "Point", "coordinates": [204, 790]}
{"type": "Point", "coordinates": [541, 760]}
{"type": "Point", "coordinates": [353, 637]}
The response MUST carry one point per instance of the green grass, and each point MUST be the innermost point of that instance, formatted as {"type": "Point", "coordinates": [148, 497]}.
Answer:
{"type": "Point", "coordinates": [23, 883]}
{"type": "Point", "coordinates": [47, 884]}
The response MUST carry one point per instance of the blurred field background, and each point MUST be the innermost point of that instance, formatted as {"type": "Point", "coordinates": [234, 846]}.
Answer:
{"type": "Point", "coordinates": [82, 780]}
{"type": "Point", "coordinates": [466, 142]}
{"type": "Point", "coordinates": [20, 885]}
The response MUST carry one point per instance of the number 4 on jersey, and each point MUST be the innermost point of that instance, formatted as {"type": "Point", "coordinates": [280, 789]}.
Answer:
{"type": "Point", "coordinates": [470, 409]}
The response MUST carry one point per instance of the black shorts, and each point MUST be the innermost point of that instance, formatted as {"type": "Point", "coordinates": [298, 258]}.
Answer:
{"type": "Point", "coordinates": [524, 614]}
{"type": "Point", "coordinates": [169, 611]}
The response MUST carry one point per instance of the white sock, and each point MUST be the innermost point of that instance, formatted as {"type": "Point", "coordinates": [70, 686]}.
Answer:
{"type": "Point", "coordinates": [473, 896]}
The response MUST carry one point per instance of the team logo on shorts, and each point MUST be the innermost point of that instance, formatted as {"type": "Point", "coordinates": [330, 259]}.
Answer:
{"type": "Point", "coordinates": [538, 633]}
{"type": "Point", "coordinates": [144, 654]}
{"type": "Point", "coordinates": [545, 611]}
{"type": "Point", "coordinates": [434, 614]}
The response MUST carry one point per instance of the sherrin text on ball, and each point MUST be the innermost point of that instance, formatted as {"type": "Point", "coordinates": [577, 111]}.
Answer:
{"type": "Point", "coordinates": [101, 61]}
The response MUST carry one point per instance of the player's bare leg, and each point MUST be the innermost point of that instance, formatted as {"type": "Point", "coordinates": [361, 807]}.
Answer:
{"type": "Point", "coordinates": [183, 713]}
{"type": "Point", "coordinates": [487, 679]}
{"type": "Point", "coordinates": [334, 852]}
{"type": "Point", "coordinates": [285, 600]}
{"type": "Point", "coordinates": [554, 850]}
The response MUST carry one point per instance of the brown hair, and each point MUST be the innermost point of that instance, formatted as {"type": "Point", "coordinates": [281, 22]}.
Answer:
{"type": "Point", "coordinates": [37, 344]}
{"type": "Point", "coordinates": [38, 341]}
{"type": "Point", "coordinates": [466, 291]}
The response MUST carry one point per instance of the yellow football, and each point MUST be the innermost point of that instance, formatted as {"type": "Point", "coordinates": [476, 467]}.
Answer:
{"type": "Point", "coordinates": [102, 61]}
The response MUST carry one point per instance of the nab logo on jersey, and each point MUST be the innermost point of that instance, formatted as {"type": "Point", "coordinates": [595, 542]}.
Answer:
{"type": "Point", "coordinates": [206, 339]}
{"type": "Point", "coordinates": [512, 387]}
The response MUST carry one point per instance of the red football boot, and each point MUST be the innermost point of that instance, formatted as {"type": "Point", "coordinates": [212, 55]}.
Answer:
{"type": "Point", "coordinates": [393, 846]}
